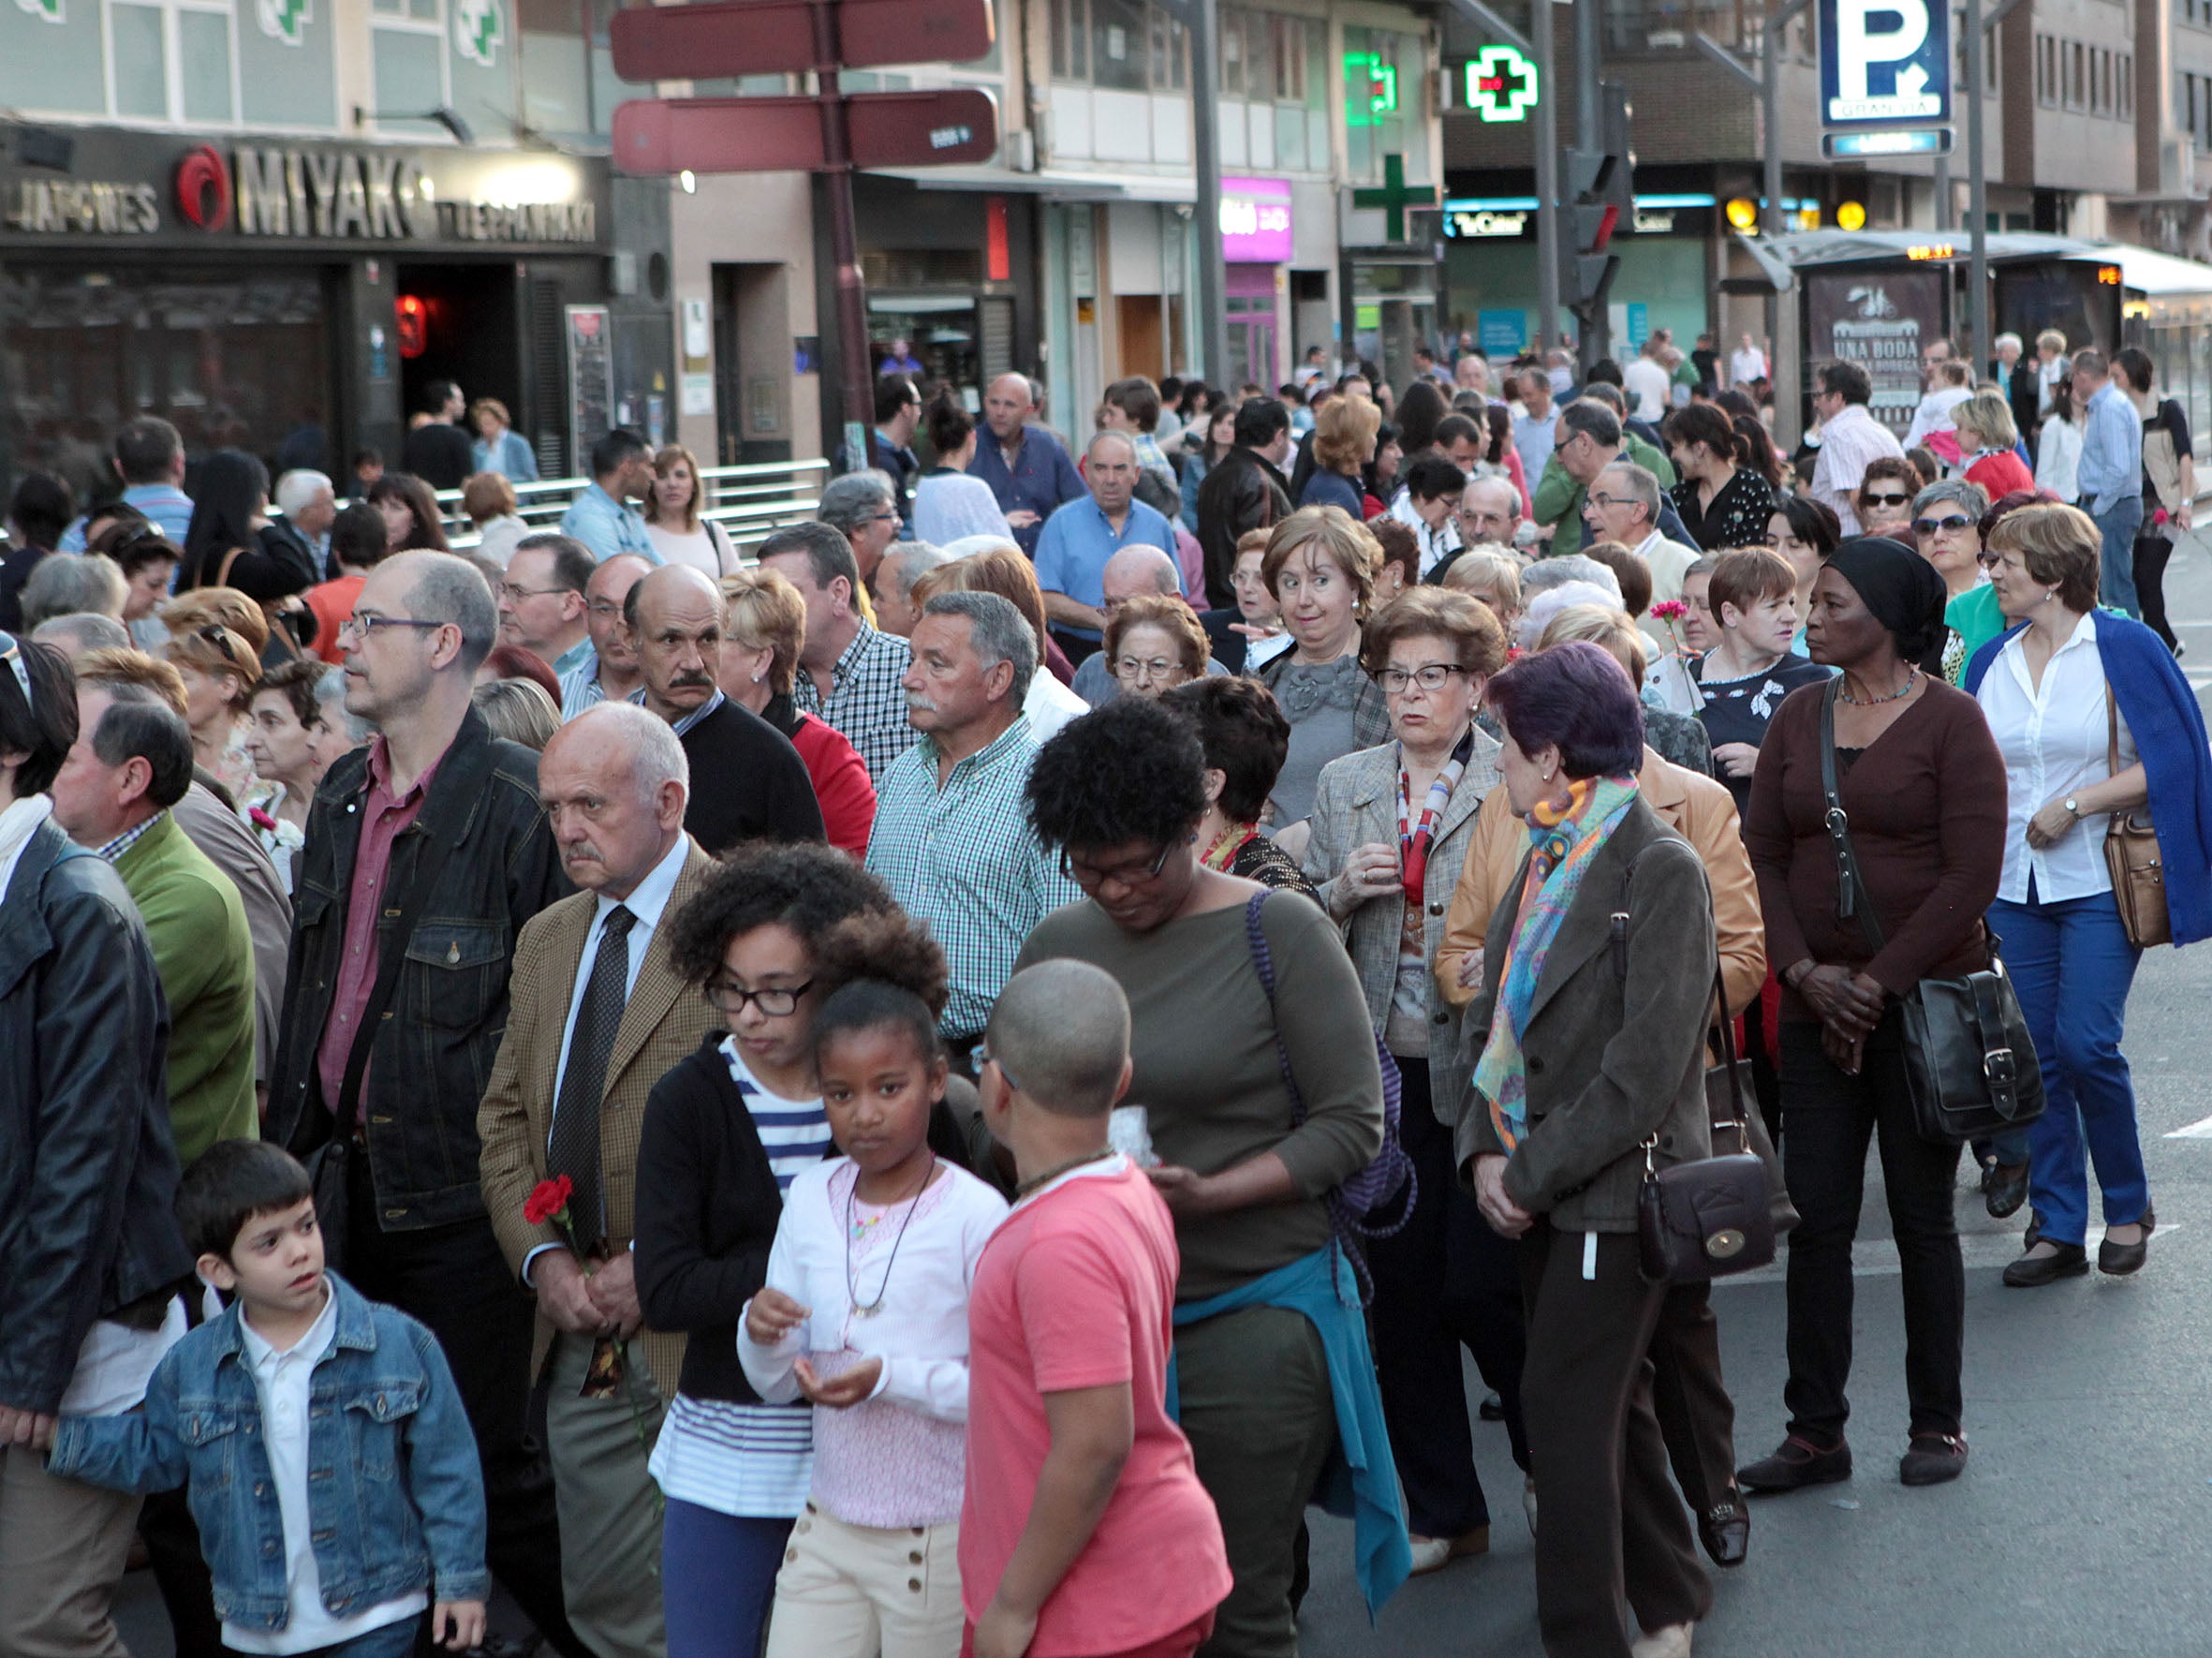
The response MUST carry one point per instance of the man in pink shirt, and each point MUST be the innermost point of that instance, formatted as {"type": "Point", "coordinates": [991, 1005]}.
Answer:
{"type": "Point", "coordinates": [1084, 1531]}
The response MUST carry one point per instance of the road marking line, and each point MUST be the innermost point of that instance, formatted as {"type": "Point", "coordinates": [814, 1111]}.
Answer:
{"type": "Point", "coordinates": [2201, 1129]}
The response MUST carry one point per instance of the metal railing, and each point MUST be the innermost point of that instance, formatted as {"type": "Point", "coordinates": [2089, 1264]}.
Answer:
{"type": "Point", "coordinates": [750, 503]}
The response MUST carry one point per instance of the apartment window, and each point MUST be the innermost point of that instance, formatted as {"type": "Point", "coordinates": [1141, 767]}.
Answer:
{"type": "Point", "coordinates": [2047, 71]}
{"type": "Point", "coordinates": [2124, 104]}
{"type": "Point", "coordinates": [1072, 39]}
{"type": "Point", "coordinates": [1120, 46]}
{"type": "Point", "coordinates": [2077, 75]}
{"type": "Point", "coordinates": [2099, 81]}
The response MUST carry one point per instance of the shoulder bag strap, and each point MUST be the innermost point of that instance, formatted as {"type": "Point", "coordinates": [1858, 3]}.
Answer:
{"type": "Point", "coordinates": [1851, 902]}
{"type": "Point", "coordinates": [223, 571]}
{"type": "Point", "coordinates": [1263, 964]}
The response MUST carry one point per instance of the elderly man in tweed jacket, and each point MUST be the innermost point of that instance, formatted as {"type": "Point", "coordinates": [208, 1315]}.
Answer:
{"type": "Point", "coordinates": [599, 1013]}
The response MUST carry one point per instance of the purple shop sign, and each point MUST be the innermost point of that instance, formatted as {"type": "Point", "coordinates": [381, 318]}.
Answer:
{"type": "Point", "coordinates": [1256, 221]}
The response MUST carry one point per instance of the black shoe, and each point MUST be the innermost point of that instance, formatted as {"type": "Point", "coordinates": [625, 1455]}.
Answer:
{"type": "Point", "coordinates": [2004, 1188]}
{"type": "Point", "coordinates": [2034, 1234]}
{"type": "Point", "coordinates": [1796, 1462]}
{"type": "Point", "coordinates": [1932, 1459]}
{"type": "Point", "coordinates": [1492, 1407]}
{"type": "Point", "coordinates": [2031, 1272]}
{"type": "Point", "coordinates": [1726, 1533]}
{"type": "Point", "coordinates": [2121, 1258]}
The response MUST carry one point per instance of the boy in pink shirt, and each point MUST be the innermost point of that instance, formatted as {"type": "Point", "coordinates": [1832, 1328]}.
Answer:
{"type": "Point", "coordinates": [1083, 1532]}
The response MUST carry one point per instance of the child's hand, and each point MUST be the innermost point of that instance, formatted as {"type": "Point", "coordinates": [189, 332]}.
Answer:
{"type": "Point", "coordinates": [770, 1316]}
{"type": "Point", "coordinates": [27, 1428]}
{"type": "Point", "coordinates": [468, 1619]}
{"type": "Point", "coordinates": [1002, 1633]}
{"type": "Point", "coordinates": [848, 1390]}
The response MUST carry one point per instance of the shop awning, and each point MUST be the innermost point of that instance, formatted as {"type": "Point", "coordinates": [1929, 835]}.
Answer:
{"type": "Point", "coordinates": [1061, 185]}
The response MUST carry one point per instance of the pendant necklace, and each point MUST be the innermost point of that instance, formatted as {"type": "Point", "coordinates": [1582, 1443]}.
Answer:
{"type": "Point", "coordinates": [851, 1199]}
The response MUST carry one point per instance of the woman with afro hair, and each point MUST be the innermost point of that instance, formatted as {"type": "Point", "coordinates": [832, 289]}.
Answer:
{"type": "Point", "coordinates": [1258, 1106]}
{"type": "Point", "coordinates": [772, 932]}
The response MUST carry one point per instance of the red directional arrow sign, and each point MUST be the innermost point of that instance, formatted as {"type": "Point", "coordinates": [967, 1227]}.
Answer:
{"type": "Point", "coordinates": [777, 36]}
{"type": "Point", "coordinates": [785, 134]}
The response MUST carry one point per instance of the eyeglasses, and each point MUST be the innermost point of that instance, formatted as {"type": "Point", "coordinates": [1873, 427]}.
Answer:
{"type": "Point", "coordinates": [1928, 527]}
{"type": "Point", "coordinates": [1599, 498]}
{"type": "Point", "coordinates": [1088, 875]}
{"type": "Point", "coordinates": [360, 625]}
{"type": "Point", "coordinates": [985, 1057]}
{"type": "Point", "coordinates": [1989, 558]}
{"type": "Point", "coordinates": [509, 590]}
{"type": "Point", "coordinates": [1430, 676]}
{"type": "Point", "coordinates": [1156, 668]}
{"type": "Point", "coordinates": [1884, 501]}
{"type": "Point", "coordinates": [727, 998]}
{"type": "Point", "coordinates": [604, 607]}
{"type": "Point", "coordinates": [884, 518]}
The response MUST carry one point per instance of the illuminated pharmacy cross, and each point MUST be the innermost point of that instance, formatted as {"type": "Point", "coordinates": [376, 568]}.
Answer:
{"type": "Point", "coordinates": [1394, 197]}
{"type": "Point", "coordinates": [1501, 85]}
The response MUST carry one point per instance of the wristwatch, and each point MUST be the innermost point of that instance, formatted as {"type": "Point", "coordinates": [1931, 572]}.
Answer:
{"type": "Point", "coordinates": [2073, 807]}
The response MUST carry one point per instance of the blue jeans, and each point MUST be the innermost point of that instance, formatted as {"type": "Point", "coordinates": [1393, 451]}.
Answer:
{"type": "Point", "coordinates": [2074, 956]}
{"type": "Point", "coordinates": [394, 1640]}
{"type": "Point", "coordinates": [717, 1580]}
{"type": "Point", "coordinates": [2117, 520]}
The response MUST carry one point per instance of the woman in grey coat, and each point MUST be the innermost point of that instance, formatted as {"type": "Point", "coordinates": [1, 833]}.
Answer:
{"type": "Point", "coordinates": [1391, 829]}
{"type": "Point", "coordinates": [1596, 989]}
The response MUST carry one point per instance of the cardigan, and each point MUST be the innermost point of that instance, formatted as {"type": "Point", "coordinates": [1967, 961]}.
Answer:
{"type": "Point", "coordinates": [2162, 716]}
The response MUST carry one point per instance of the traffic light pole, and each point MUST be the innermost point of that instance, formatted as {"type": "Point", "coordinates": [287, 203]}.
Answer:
{"type": "Point", "coordinates": [1977, 199]}
{"type": "Point", "coordinates": [858, 390]}
{"type": "Point", "coordinates": [1211, 336]}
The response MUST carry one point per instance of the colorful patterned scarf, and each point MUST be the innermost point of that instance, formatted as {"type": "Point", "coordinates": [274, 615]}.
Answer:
{"type": "Point", "coordinates": [1567, 839]}
{"type": "Point", "coordinates": [1416, 837]}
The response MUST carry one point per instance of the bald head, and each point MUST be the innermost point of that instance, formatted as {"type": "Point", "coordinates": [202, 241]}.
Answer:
{"type": "Point", "coordinates": [1060, 1031]}
{"type": "Point", "coordinates": [604, 595]}
{"type": "Point", "coordinates": [1139, 571]}
{"type": "Point", "coordinates": [613, 782]}
{"type": "Point", "coordinates": [675, 615]}
{"type": "Point", "coordinates": [1007, 403]}
{"type": "Point", "coordinates": [1489, 510]}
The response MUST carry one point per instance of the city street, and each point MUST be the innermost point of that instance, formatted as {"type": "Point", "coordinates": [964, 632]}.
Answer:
{"type": "Point", "coordinates": [2080, 1527]}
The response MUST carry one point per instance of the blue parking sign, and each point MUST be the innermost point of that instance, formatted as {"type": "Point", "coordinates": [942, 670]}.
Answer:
{"type": "Point", "coordinates": [1885, 62]}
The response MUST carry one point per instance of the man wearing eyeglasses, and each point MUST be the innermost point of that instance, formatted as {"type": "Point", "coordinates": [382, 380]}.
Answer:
{"type": "Point", "coordinates": [544, 603]}
{"type": "Point", "coordinates": [611, 674]}
{"type": "Point", "coordinates": [426, 853]}
{"type": "Point", "coordinates": [599, 1015]}
{"type": "Point", "coordinates": [1849, 439]}
{"type": "Point", "coordinates": [1624, 507]}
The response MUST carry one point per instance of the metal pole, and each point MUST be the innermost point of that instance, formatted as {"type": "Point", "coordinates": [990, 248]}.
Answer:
{"type": "Point", "coordinates": [1211, 326]}
{"type": "Point", "coordinates": [1945, 198]}
{"type": "Point", "coordinates": [1770, 218]}
{"type": "Point", "coordinates": [1977, 204]}
{"type": "Point", "coordinates": [1587, 23]}
{"type": "Point", "coordinates": [856, 389]}
{"type": "Point", "coordinates": [1547, 176]}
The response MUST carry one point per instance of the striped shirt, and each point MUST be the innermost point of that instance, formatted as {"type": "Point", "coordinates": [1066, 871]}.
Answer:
{"type": "Point", "coordinates": [738, 1458]}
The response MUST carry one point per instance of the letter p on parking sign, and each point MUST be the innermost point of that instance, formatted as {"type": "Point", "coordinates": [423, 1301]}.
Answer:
{"type": "Point", "coordinates": [1884, 61]}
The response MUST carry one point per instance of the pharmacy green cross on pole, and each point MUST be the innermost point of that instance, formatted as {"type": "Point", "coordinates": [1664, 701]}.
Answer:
{"type": "Point", "coordinates": [1394, 197]}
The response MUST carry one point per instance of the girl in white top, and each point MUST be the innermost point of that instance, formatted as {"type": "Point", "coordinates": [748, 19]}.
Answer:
{"type": "Point", "coordinates": [2059, 446]}
{"type": "Point", "coordinates": [672, 522]}
{"type": "Point", "coordinates": [865, 1313]}
{"type": "Point", "coordinates": [947, 503]}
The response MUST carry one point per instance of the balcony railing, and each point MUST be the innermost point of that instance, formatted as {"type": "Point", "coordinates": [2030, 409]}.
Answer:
{"type": "Point", "coordinates": [750, 503]}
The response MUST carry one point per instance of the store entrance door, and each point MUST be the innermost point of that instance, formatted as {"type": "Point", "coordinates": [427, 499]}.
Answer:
{"type": "Point", "coordinates": [1251, 325]}
{"type": "Point", "coordinates": [469, 332]}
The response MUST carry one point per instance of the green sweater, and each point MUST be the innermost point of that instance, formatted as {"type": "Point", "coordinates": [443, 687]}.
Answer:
{"type": "Point", "coordinates": [205, 956]}
{"type": "Point", "coordinates": [1559, 499]}
{"type": "Point", "coordinates": [1203, 1039]}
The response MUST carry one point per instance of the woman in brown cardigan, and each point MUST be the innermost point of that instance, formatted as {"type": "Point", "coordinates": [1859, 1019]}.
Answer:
{"type": "Point", "coordinates": [1923, 786]}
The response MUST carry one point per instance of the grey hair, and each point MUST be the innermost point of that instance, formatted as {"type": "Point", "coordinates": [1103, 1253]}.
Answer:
{"type": "Point", "coordinates": [1568, 567]}
{"type": "Point", "coordinates": [296, 490]}
{"type": "Point", "coordinates": [85, 632]}
{"type": "Point", "coordinates": [1586, 414]}
{"type": "Point", "coordinates": [909, 561]}
{"type": "Point", "coordinates": [1118, 436]}
{"type": "Point", "coordinates": [998, 632]}
{"type": "Point", "coordinates": [64, 584]}
{"type": "Point", "coordinates": [448, 589]}
{"type": "Point", "coordinates": [1644, 486]}
{"type": "Point", "coordinates": [655, 752]}
{"type": "Point", "coordinates": [1545, 605]}
{"type": "Point", "coordinates": [2013, 340]}
{"type": "Point", "coordinates": [851, 501]}
{"type": "Point", "coordinates": [329, 700]}
{"type": "Point", "coordinates": [1972, 496]}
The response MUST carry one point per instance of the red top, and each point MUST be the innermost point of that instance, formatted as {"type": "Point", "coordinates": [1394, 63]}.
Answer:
{"type": "Point", "coordinates": [1076, 1290]}
{"type": "Point", "coordinates": [2001, 473]}
{"type": "Point", "coordinates": [331, 603]}
{"type": "Point", "coordinates": [840, 784]}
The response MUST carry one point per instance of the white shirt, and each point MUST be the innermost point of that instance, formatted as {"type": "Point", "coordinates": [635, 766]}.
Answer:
{"type": "Point", "coordinates": [1050, 704]}
{"type": "Point", "coordinates": [955, 505]}
{"type": "Point", "coordinates": [2054, 740]}
{"type": "Point", "coordinates": [282, 1381]}
{"type": "Point", "coordinates": [1934, 413]}
{"type": "Point", "coordinates": [1746, 364]}
{"type": "Point", "coordinates": [1436, 545]}
{"type": "Point", "coordinates": [705, 549]}
{"type": "Point", "coordinates": [1647, 383]}
{"type": "Point", "coordinates": [1847, 443]}
{"type": "Point", "coordinates": [18, 823]}
{"type": "Point", "coordinates": [2058, 457]}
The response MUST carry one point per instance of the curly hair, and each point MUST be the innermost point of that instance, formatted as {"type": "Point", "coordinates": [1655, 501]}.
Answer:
{"type": "Point", "coordinates": [887, 970]}
{"type": "Point", "coordinates": [805, 886]}
{"type": "Point", "coordinates": [1126, 771]}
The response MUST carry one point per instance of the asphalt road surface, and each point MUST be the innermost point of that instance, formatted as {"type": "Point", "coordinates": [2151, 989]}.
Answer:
{"type": "Point", "coordinates": [2083, 1526]}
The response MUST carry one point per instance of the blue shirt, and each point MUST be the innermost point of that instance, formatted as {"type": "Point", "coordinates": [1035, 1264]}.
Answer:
{"type": "Point", "coordinates": [2111, 467]}
{"type": "Point", "coordinates": [169, 508]}
{"type": "Point", "coordinates": [1040, 478]}
{"type": "Point", "coordinates": [511, 458]}
{"type": "Point", "coordinates": [608, 527]}
{"type": "Point", "coordinates": [1334, 489]}
{"type": "Point", "coordinates": [1077, 542]}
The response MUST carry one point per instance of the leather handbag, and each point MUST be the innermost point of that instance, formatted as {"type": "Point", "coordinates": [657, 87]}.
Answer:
{"type": "Point", "coordinates": [1970, 1064]}
{"type": "Point", "coordinates": [2132, 856]}
{"type": "Point", "coordinates": [1719, 1215]}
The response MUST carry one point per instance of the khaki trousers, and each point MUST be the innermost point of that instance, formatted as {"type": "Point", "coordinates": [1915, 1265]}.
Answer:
{"type": "Point", "coordinates": [62, 1549]}
{"type": "Point", "coordinates": [853, 1592]}
{"type": "Point", "coordinates": [610, 1520]}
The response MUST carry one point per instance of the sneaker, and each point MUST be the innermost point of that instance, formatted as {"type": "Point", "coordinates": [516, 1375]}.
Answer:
{"type": "Point", "coordinates": [1797, 1462]}
{"type": "Point", "coordinates": [1931, 1458]}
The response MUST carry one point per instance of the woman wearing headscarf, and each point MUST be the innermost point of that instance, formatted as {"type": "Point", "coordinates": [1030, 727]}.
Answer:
{"type": "Point", "coordinates": [1575, 1094]}
{"type": "Point", "coordinates": [1923, 786]}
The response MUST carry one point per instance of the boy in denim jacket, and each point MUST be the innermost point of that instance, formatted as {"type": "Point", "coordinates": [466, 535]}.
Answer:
{"type": "Point", "coordinates": [331, 1468]}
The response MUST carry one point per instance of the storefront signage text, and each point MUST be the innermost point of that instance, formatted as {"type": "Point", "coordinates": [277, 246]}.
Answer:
{"type": "Point", "coordinates": [1256, 221]}
{"type": "Point", "coordinates": [345, 195]}
{"type": "Point", "coordinates": [1482, 222]}
{"type": "Point", "coordinates": [51, 207]}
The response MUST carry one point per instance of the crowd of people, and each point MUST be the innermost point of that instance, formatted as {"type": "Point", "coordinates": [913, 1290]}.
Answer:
{"type": "Point", "coordinates": [927, 1087]}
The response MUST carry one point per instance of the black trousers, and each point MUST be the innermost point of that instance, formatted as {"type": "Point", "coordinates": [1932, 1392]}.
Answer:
{"type": "Point", "coordinates": [2151, 553]}
{"type": "Point", "coordinates": [1445, 1282]}
{"type": "Point", "coordinates": [1824, 1160]}
{"type": "Point", "coordinates": [456, 1280]}
{"type": "Point", "coordinates": [1611, 1524]}
{"type": "Point", "coordinates": [1697, 1419]}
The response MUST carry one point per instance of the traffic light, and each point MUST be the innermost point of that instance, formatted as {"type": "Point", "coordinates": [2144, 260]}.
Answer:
{"type": "Point", "coordinates": [1599, 200]}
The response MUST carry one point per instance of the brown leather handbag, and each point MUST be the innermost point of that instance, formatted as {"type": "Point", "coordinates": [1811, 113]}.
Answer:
{"type": "Point", "coordinates": [2132, 856]}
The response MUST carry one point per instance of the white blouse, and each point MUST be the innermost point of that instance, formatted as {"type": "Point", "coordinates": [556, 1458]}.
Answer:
{"type": "Point", "coordinates": [2054, 740]}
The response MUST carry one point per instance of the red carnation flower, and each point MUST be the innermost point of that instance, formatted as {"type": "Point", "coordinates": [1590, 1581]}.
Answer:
{"type": "Point", "coordinates": [549, 1201]}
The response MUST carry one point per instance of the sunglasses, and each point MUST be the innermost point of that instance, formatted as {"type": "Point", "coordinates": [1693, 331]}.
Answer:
{"type": "Point", "coordinates": [1928, 527]}
{"type": "Point", "coordinates": [1873, 500]}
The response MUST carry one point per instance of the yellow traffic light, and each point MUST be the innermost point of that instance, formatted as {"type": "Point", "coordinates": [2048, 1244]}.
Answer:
{"type": "Point", "coordinates": [1851, 216]}
{"type": "Point", "coordinates": [1742, 212]}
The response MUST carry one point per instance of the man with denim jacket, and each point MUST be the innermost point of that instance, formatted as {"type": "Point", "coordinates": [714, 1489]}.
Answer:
{"type": "Point", "coordinates": [327, 1457]}
{"type": "Point", "coordinates": [434, 794]}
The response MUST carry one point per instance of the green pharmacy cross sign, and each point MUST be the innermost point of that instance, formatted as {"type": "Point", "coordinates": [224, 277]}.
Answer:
{"type": "Point", "coordinates": [1394, 197]}
{"type": "Point", "coordinates": [1371, 88]}
{"type": "Point", "coordinates": [1501, 85]}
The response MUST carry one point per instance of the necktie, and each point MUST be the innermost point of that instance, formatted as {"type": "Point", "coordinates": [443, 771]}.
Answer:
{"type": "Point", "coordinates": [574, 1150]}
